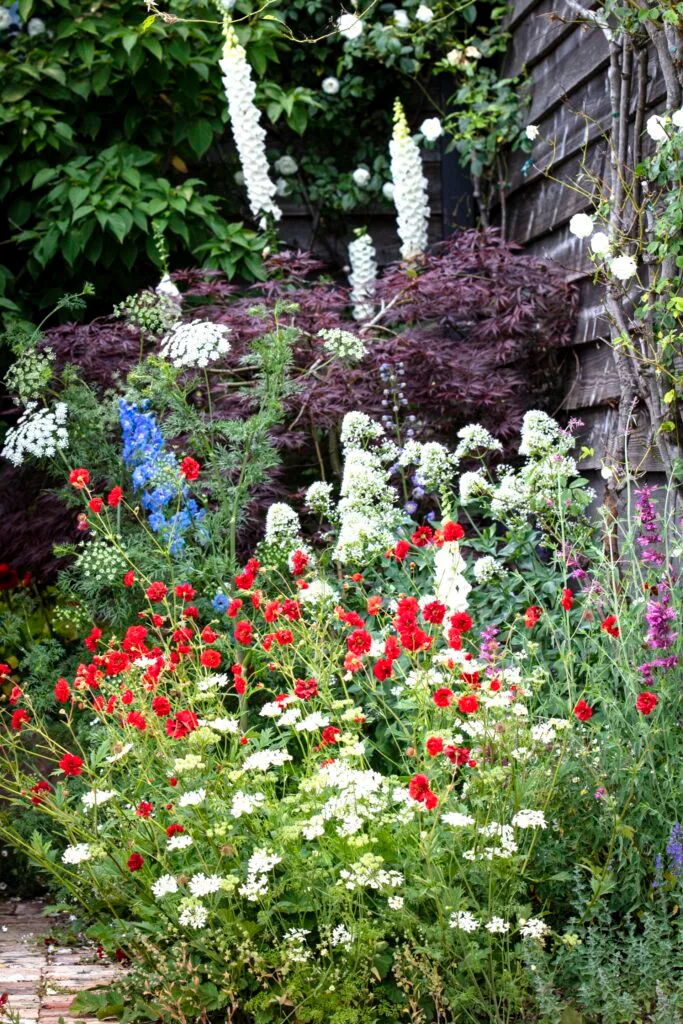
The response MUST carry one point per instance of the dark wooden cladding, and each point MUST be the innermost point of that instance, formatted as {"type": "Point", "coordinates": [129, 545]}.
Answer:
{"type": "Point", "coordinates": [566, 64]}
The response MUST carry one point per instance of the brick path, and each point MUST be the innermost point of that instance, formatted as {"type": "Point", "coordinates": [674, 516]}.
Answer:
{"type": "Point", "coordinates": [41, 983]}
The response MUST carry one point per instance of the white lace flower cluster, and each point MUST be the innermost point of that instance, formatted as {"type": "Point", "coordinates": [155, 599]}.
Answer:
{"type": "Point", "coordinates": [319, 498]}
{"type": "Point", "coordinates": [475, 440]}
{"type": "Point", "coordinates": [249, 134]}
{"type": "Point", "coordinates": [343, 345]}
{"type": "Point", "coordinates": [195, 344]}
{"type": "Point", "coordinates": [369, 873]}
{"type": "Point", "coordinates": [487, 568]}
{"type": "Point", "coordinates": [362, 277]}
{"type": "Point", "coordinates": [99, 562]}
{"type": "Point", "coordinates": [283, 529]}
{"type": "Point", "coordinates": [39, 432]}
{"type": "Point", "coordinates": [260, 864]}
{"type": "Point", "coordinates": [410, 187]}
{"type": "Point", "coordinates": [77, 854]}
{"type": "Point", "coordinates": [434, 464]}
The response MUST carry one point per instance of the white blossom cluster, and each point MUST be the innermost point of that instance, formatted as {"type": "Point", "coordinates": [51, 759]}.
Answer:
{"type": "Point", "coordinates": [260, 863]}
{"type": "Point", "coordinates": [474, 440]}
{"type": "Point", "coordinates": [282, 530]}
{"type": "Point", "coordinates": [410, 187]}
{"type": "Point", "coordinates": [247, 130]}
{"type": "Point", "coordinates": [203, 885]}
{"type": "Point", "coordinates": [540, 435]}
{"type": "Point", "coordinates": [434, 464]}
{"type": "Point", "coordinates": [343, 345]}
{"type": "Point", "coordinates": [263, 760]}
{"type": "Point", "coordinates": [195, 344]}
{"type": "Point", "coordinates": [245, 803]}
{"type": "Point", "coordinates": [487, 568]}
{"type": "Point", "coordinates": [319, 498]}
{"type": "Point", "coordinates": [363, 261]}
{"type": "Point", "coordinates": [165, 885]}
{"type": "Point", "coordinates": [473, 485]}
{"type": "Point", "coordinates": [97, 797]}
{"type": "Point", "coordinates": [192, 798]}
{"type": "Point", "coordinates": [193, 915]}
{"type": "Point", "coordinates": [99, 562]}
{"type": "Point", "coordinates": [622, 267]}
{"type": "Point", "coordinates": [39, 432]}
{"type": "Point", "coordinates": [77, 854]}
{"type": "Point", "coordinates": [369, 873]}
{"type": "Point", "coordinates": [28, 377]}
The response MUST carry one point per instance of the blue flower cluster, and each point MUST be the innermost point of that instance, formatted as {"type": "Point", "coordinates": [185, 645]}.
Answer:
{"type": "Point", "coordinates": [165, 494]}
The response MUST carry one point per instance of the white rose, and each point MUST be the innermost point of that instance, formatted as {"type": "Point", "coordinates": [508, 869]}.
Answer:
{"type": "Point", "coordinates": [472, 51]}
{"type": "Point", "coordinates": [5, 19]}
{"type": "Point", "coordinates": [35, 27]}
{"type": "Point", "coordinates": [677, 118]}
{"type": "Point", "coordinates": [361, 177]}
{"type": "Point", "coordinates": [349, 26]}
{"type": "Point", "coordinates": [330, 86]}
{"type": "Point", "coordinates": [581, 225]}
{"type": "Point", "coordinates": [431, 129]}
{"type": "Point", "coordinates": [455, 58]}
{"type": "Point", "coordinates": [282, 187]}
{"type": "Point", "coordinates": [599, 243]}
{"type": "Point", "coordinates": [401, 19]}
{"type": "Point", "coordinates": [388, 190]}
{"type": "Point", "coordinates": [286, 165]}
{"type": "Point", "coordinates": [532, 131]}
{"type": "Point", "coordinates": [424, 14]}
{"type": "Point", "coordinates": [655, 128]}
{"type": "Point", "coordinates": [623, 267]}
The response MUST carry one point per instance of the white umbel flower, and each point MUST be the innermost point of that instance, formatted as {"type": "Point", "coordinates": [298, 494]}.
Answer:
{"type": "Point", "coordinates": [195, 344]}
{"type": "Point", "coordinates": [410, 187]}
{"type": "Point", "coordinates": [319, 498]}
{"type": "Point", "coordinates": [464, 921]}
{"type": "Point", "coordinates": [362, 277]}
{"type": "Point", "coordinates": [77, 854]}
{"type": "Point", "coordinates": [39, 432]}
{"type": "Point", "coordinates": [343, 345]}
{"type": "Point", "coordinates": [248, 133]}
{"type": "Point", "coordinates": [166, 885]}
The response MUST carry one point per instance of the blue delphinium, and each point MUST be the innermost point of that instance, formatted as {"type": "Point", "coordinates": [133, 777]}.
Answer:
{"type": "Point", "coordinates": [220, 602]}
{"type": "Point", "coordinates": [155, 471]}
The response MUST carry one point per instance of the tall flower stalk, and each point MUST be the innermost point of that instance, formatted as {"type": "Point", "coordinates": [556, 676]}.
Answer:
{"type": "Point", "coordinates": [410, 187]}
{"type": "Point", "coordinates": [247, 130]}
{"type": "Point", "coordinates": [363, 275]}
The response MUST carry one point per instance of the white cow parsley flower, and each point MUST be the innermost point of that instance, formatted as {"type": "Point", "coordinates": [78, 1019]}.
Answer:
{"type": "Point", "coordinates": [245, 803]}
{"type": "Point", "coordinates": [96, 797]}
{"type": "Point", "coordinates": [463, 920]}
{"type": "Point", "coordinates": [497, 926]}
{"type": "Point", "coordinates": [343, 345]}
{"type": "Point", "coordinates": [263, 760]}
{"type": "Point", "coordinates": [202, 885]}
{"type": "Point", "coordinates": [457, 820]}
{"type": "Point", "coordinates": [529, 819]}
{"type": "Point", "coordinates": [194, 916]}
{"type": "Point", "coordinates": [77, 854]}
{"type": "Point", "coordinates": [192, 798]}
{"type": "Point", "coordinates": [179, 842]}
{"type": "Point", "coordinates": [534, 928]}
{"type": "Point", "coordinates": [195, 344]}
{"type": "Point", "coordinates": [166, 885]}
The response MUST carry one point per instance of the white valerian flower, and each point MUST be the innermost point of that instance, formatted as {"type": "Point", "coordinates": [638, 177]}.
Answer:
{"type": "Point", "coordinates": [473, 485]}
{"type": "Point", "coordinates": [487, 568]}
{"type": "Point", "coordinates": [474, 440]}
{"type": "Point", "coordinates": [77, 854]}
{"type": "Point", "coordinates": [97, 797]}
{"type": "Point", "coordinates": [581, 225]}
{"type": "Point", "coordinates": [457, 819]}
{"type": "Point", "coordinates": [463, 920]}
{"type": "Point", "coordinates": [677, 118]}
{"type": "Point", "coordinates": [529, 819]}
{"type": "Point", "coordinates": [388, 190]}
{"type": "Point", "coordinates": [599, 243]}
{"type": "Point", "coordinates": [38, 432]}
{"type": "Point", "coordinates": [623, 267]}
{"type": "Point", "coordinates": [344, 345]}
{"type": "Point", "coordinates": [532, 131]}
{"type": "Point", "coordinates": [401, 19]}
{"type": "Point", "coordinates": [424, 14]}
{"type": "Point", "coordinates": [192, 798]}
{"type": "Point", "coordinates": [655, 126]}
{"type": "Point", "coordinates": [283, 528]}
{"type": "Point", "coordinates": [330, 85]}
{"type": "Point", "coordinates": [166, 885]}
{"type": "Point", "coordinates": [194, 916]}
{"type": "Point", "coordinates": [539, 434]}
{"type": "Point", "coordinates": [410, 187]}
{"type": "Point", "coordinates": [286, 165]}
{"type": "Point", "coordinates": [203, 885]}
{"type": "Point", "coordinates": [497, 926]}
{"type": "Point", "coordinates": [435, 465]}
{"type": "Point", "coordinates": [361, 177]}
{"type": "Point", "coordinates": [167, 288]}
{"type": "Point", "coordinates": [317, 591]}
{"type": "Point", "coordinates": [363, 276]}
{"type": "Point", "coordinates": [431, 128]}
{"type": "Point", "coordinates": [534, 928]}
{"type": "Point", "coordinates": [247, 130]}
{"type": "Point", "coordinates": [36, 27]}
{"type": "Point", "coordinates": [350, 26]}
{"type": "Point", "coordinates": [195, 344]}
{"type": "Point", "coordinates": [319, 498]}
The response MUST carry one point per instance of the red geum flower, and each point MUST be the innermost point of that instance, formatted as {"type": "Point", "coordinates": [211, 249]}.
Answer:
{"type": "Point", "coordinates": [434, 612]}
{"type": "Point", "coordinates": [383, 669]}
{"type": "Point", "coordinates": [156, 591]}
{"type": "Point", "coordinates": [9, 577]}
{"type": "Point", "coordinates": [443, 697]}
{"type": "Point", "coordinates": [135, 862]}
{"type": "Point", "coordinates": [244, 633]}
{"type": "Point", "coordinates": [116, 662]}
{"type": "Point", "coordinates": [137, 720]}
{"type": "Point", "coordinates": [161, 706]}
{"type": "Point", "coordinates": [583, 711]}
{"type": "Point", "coordinates": [567, 601]}
{"type": "Point", "coordinates": [434, 745]}
{"type": "Point", "coordinates": [234, 607]}
{"type": "Point", "coordinates": [91, 640]}
{"type": "Point", "coordinates": [144, 809]}
{"type": "Point", "coordinates": [646, 702]}
{"type": "Point", "coordinates": [532, 615]}
{"type": "Point", "coordinates": [461, 621]}
{"type": "Point", "coordinates": [79, 478]}
{"type": "Point", "coordinates": [5, 670]}
{"type": "Point", "coordinates": [457, 755]}
{"type": "Point", "coordinates": [39, 790]}
{"type": "Point", "coordinates": [210, 658]}
{"type": "Point", "coordinates": [373, 604]}
{"type": "Point", "coordinates": [401, 550]}
{"type": "Point", "coordinates": [353, 662]}
{"type": "Point", "coordinates": [190, 468]}
{"type": "Point", "coordinates": [291, 610]}
{"type": "Point", "coordinates": [174, 829]}
{"type": "Point", "coordinates": [71, 764]}
{"type": "Point", "coordinates": [20, 718]}
{"type": "Point", "coordinates": [16, 694]}
{"type": "Point", "coordinates": [129, 578]}
{"type": "Point", "coordinates": [418, 787]}
{"type": "Point", "coordinates": [114, 497]}
{"type": "Point", "coordinates": [185, 591]}
{"type": "Point", "coordinates": [422, 536]}
{"type": "Point", "coordinates": [416, 640]}
{"type": "Point", "coordinates": [431, 800]}
{"type": "Point", "coordinates": [330, 734]}
{"type": "Point", "coordinates": [272, 611]}
{"type": "Point", "coordinates": [284, 637]}
{"type": "Point", "coordinates": [468, 704]}
{"type": "Point", "coordinates": [298, 562]}
{"type": "Point", "coordinates": [95, 505]}
{"type": "Point", "coordinates": [62, 690]}
{"type": "Point", "coordinates": [609, 625]}
{"type": "Point", "coordinates": [349, 618]}
{"type": "Point", "coordinates": [305, 689]}
{"type": "Point", "coordinates": [191, 612]}
{"type": "Point", "coordinates": [359, 642]}
{"type": "Point", "coordinates": [452, 531]}
{"type": "Point", "coordinates": [391, 648]}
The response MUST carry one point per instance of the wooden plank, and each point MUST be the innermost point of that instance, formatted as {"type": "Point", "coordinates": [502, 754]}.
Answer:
{"type": "Point", "coordinates": [593, 379]}
{"type": "Point", "coordinates": [518, 10]}
{"type": "Point", "coordinates": [578, 58]}
{"type": "Point", "coordinates": [539, 32]}
{"type": "Point", "coordinates": [564, 249]}
{"type": "Point", "coordinates": [599, 425]}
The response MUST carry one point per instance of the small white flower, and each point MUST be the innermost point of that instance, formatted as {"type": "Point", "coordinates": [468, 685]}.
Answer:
{"type": "Point", "coordinates": [245, 803]}
{"type": "Point", "coordinates": [193, 798]}
{"type": "Point", "coordinates": [529, 819]}
{"type": "Point", "coordinates": [532, 131]}
{"type": "Point", "coordinates": [581, 225]}
{"type": "Point", "coordinates": [623, 267]}
{"type": "Point", "coordinates": [166, 885]}
{"type": "Point", "coordinates": [534, 928]}
{"type": "Point", "coordinates": [350, 26]}
{"type": "Point", "coordinates": [39, 432]}
{"type": "Point", "coordinates": [282, 187]}
{"type": "Point", "coordinates": [179, 842]}
{"type": "Point", "coordinates": [312, 722]}
{"type": "Point", "coordinates": [330, 85]}
{"type": "Point", "coordinates": [96, 797]}
{"type": "Point", "coordinates": [401, 19]}
{"type": "Point", "coordinates": [35, 27]}
{"type": "Point", "coordinates": [424, 14]}
{"type": "Point", "coordinates": [388, 190]}
{"type": "Point", "coordinates": [203, 885]}
{"type": "Point", "coordinates": [395, 902]}
{"type": "Point", "coordinates": [457, 820]}
{"type": "Point", "coordinates": [341, 936]}
{"type": "Point", "coordinates": [231, 725]}
{"type": "Point", "coordinates": [655, 128]}
{"type": "Point", "coordinates": [497, 926]}
{"type": "Point", "coordinates": [77, 854]}
{"type": "Point", "coordinates": [195, 344]}
{"type": "Point", "coordinates": [195, 916]}
{"type": "Point", "coordinates": [463, 920]}
{"type": "Point", "coordinates": [286, 165]}
{"type": "Point", "coordinates": [599, 243]}
{"type": "Point", "coordinates": [432, 129]}
{"type": "Point", "coordinates": [361, 177]}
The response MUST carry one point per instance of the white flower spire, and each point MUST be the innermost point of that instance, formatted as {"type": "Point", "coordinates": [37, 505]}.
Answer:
{"type": "Point", "coordinates": [249, 134]}
{"type": "Point", "coordinates": [410, 187]}
{"type": "Point", "coordinates": [362, 276]}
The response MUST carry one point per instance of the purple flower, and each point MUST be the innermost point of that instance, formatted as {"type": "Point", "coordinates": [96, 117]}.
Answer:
{"type": "Point", "coordinates": [650, 535]}
{"type": "Point", "coordinates": [489, 645]}
{"type": "Point", "coordinates": [660, 615]}
{"type": "Point", "coordinates": [600, 793]}
{"type": "Point", "coordinates": [674, 851]}
{"type": "Point", "coordinates": [648, 667]}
